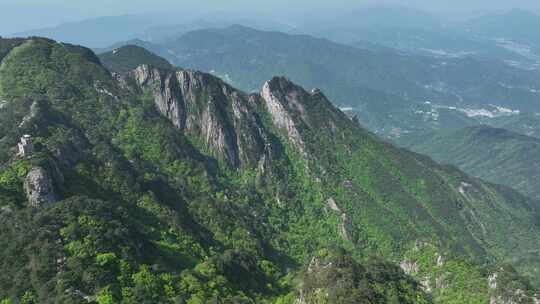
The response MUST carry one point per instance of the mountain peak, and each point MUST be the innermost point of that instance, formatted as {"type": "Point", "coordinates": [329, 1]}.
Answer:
{"type": "Point", "coordinates": [280, 103]}
{"type": "Point", "coordinates": [279, 83]}
{"type": "Point", "coordinates": [129, 57]}
{"type": "Point", "coordinates": [300, 113]}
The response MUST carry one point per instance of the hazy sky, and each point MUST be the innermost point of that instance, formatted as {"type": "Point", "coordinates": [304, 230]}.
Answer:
{"type": "Point", "coordinates": [21, 15]}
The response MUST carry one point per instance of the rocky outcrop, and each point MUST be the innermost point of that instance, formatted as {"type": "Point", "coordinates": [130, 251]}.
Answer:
{"type": "Point", "coordinates": [343, 228]}
{"type": "Point", "coordinates": [228, 121]}
{"type": "Point", "coordinates": [344, 225]}
{"type": "Point", "coordinates": [303, 117]}
{"type": "Point", "coordinates": [279, 104]}
{"type": "Point", "coordinates": [39, 188]}
{"type": "Point", "coordinates": [492, 281]}
{"type": "Point", "coordinates": [507, 294]}
{"type": "Point", "coordinates": [210, 104]}
{"type": "Point", "coordinates": [440, 261]}
{"type": "Point", "coordinates": [331, 203]}
{"type": "Point", "coordinates": [334, 276]}
{"type": "Point", "coordinates": [203, 106]}
{"type": "Point", "coordinates": [517, 298]}
{"type": "Point", "coordinates": [26, 147]}
{"type": "Point", "coordinates": [409, 267]}
{"type": "Point", "coordinates": [34, 111]}
{"type": "Point", "coordinates": [165, 90]}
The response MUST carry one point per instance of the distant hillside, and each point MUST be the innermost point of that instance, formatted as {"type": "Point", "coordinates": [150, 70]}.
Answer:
{"type": "Point", "coordinates": [128, 58]}
{"type": "Point", "coordinates": [102, 32]}
{"type": "Point", "coordinates": [517, 25]}
{"type": "Point", "coordinates": [496, 155]}
{"type": "Point", "coordinates": [386, 89]}
{"type": "Point", "coordinates": [98, 32]}
{"type": "Point", "coordinates": [248, 56]}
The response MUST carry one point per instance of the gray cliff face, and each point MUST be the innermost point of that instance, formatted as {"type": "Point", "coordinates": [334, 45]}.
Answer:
{"type": "Point", "coordinates": [279, 105]}
{"type": "Point", "coordinates": [295, 111]}
{"type": "Point", "coordinates": [164, 88]}
{"type": "Point", "coordinates": [209, 106]}
{"type": "Point", "coordinates": [306, 117]}
{"type": "Point", "coordinates": [226, 120]}
{"type": "Point", "coordinates": [39, 188]}
{"type": "Point", "coordinates": [203, 106]}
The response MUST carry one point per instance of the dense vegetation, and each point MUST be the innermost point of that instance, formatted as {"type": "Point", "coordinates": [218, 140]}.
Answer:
{"type": "Point", "coordinates": [496, 155]}
{"type": "Point", "coordinates": [147, 214]}
{"type": "Point", "coordinates": [129, 57]}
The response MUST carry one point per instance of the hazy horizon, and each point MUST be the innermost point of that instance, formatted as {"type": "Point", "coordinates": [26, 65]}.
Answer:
{"type": "Point", "coordinates": [19, 16]}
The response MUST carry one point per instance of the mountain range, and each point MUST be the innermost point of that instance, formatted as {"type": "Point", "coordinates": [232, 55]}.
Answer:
{"type": "Point", "coordinates": [441, 72]}
{"type": "Point", "coordinates": [359, 78]}
{"type": "Point", "coordinates": [509, 36]}
{"type": "Point", "coordinates": [145, 183]}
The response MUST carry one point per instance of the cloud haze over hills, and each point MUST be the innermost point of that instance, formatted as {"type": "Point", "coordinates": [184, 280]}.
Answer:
{"type": "Point", "coordinates": [38, 15]}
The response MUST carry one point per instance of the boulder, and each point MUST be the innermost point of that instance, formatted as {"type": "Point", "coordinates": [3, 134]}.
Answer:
{"type": "Point", "coordinates": [39, 188]}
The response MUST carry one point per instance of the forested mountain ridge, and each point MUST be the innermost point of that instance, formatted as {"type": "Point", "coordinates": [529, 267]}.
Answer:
{"type": "Point", "coordinates": [497, 155]}
{"type": "Point", "coordinates": [130, 58]}
{"type": "Point", "coordinates": [162, 185]}
{"type": "Point", "coordinates": [358, 77]}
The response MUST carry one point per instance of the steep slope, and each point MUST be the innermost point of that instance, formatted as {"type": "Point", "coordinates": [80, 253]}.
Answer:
{"type": "Point", "coordinates": [359, 170]}
{"type": "Point", "coordinates": [496, 155]}
{"type": "Point", "coordinates": [166, 186]}
{"type": "Point", "coordinates": [139, 214]}
{"type": "Point", "coordinates": [289, 105]}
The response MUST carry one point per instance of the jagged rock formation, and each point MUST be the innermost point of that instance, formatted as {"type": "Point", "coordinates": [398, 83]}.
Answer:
{"type": "Point", "coordinates": [409, 267]}
{"type": "Point", "coordinates": [502, 294]}
{"type": "Point", "coordinates": [279, 106]}
{"type": "Point", "coordinates": [207, 108]}
{"type": "Point", "coordinates": [305, 118]}
{"type": "Point", "coordinates": [32, 114]}
{"type": "Point", "coordinates": [435, 273]}
{"type": "Point", "coordinates": [165, 89]}
{"type": "Point", "coordinates": [228, 120]}
{"type": "Point", "coordinates": [332, 276]}
{"type": "Point", "coordinates": [39, 188]}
